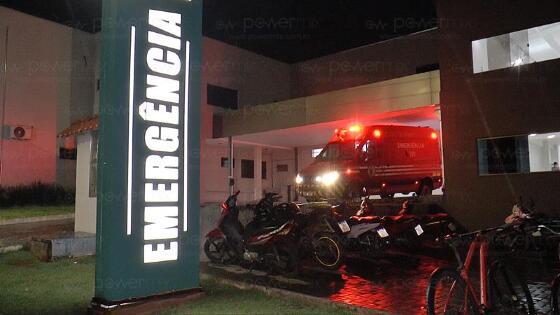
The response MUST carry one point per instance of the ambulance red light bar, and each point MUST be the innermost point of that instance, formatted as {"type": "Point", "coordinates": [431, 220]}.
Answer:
{"type": "Point", "coordinates": [434, 135]}
{"type": "Point", "coordinates": [355, 129]}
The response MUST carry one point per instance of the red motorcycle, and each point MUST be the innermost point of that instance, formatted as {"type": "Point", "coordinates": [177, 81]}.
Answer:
{"type": "Point", "coordinates": [274, 247]}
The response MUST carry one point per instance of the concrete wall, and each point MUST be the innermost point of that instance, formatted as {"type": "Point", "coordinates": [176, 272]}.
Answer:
{"type": "Point", "coordinates": [86, 207]}
{"type": "Point", "coordinates": [372, 63]}
{"type": "Point", "coordinates": [504, 102]}
{"type": "Point", "coordinates": [47, 86]}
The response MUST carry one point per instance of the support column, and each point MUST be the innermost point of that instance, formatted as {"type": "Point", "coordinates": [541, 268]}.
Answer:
{"type": "Point", "coordinates": [231, 178]}
{"type": "Point", "coordinates": [257, 182]}
{"type": "Point", "coordinates": [296, 171]}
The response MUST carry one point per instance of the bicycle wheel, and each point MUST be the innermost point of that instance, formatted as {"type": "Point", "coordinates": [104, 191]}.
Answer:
{"type": "Point", "coordinates": [555, 295]}
{"type": "Point", "coordinates": [509, 293]}
{"type": "Point", "coordinates": [447, 294]}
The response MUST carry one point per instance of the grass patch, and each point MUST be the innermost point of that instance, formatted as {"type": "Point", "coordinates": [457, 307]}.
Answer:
{"type": "Point", "coordinates": [28, 286]}
{"type": "Point", "coordinates": [33, 211]}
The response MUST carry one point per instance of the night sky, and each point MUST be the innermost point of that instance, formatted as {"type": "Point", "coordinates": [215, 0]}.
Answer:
{"type": "Point", "coordinates": [286, 30]}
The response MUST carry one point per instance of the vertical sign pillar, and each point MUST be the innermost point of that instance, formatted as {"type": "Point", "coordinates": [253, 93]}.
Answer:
{"type": "Point", "coordinates": [148, 200]}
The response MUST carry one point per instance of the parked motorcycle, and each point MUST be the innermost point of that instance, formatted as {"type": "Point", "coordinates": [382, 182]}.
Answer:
{"type": "Point", "coordinates": [366, 233]}
{"type": "Point", "coordinates": [264, 246]}
{"type": "Point", "coordinates": [277, 238]}
{"type": "Point", "coordinates": [528, 230]}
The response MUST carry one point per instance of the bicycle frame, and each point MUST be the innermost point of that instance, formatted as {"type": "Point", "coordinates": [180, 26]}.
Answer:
{"type": "Point", "coordinates": [480, 243]}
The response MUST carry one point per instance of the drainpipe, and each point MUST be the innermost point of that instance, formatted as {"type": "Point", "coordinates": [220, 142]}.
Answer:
{"type": "Point", "coordinates": [4, 88]}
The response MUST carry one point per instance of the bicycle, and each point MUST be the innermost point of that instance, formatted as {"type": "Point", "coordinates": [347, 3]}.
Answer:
{"type": "Point", "coordinates": [451, 291]}
{"type": "Point", "coordinates": [555, 286]}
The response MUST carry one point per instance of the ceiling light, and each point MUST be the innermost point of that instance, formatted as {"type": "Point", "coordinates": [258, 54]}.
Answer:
{"type": "Point", "coordinates": [517, 62]}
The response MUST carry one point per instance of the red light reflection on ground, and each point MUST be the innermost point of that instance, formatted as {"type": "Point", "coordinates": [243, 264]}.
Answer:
{"type": "Point", "coordinates": [395, 289]}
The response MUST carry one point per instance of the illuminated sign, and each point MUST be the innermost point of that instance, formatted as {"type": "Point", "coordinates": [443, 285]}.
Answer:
{"type": "Point", "coordinates": [148, 204]}
{"type": "Point", "coordinates": [161, 110]}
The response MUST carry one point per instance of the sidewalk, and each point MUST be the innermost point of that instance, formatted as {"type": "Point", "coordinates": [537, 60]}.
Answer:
{"type": "Point", "coordinates": [15, 235]}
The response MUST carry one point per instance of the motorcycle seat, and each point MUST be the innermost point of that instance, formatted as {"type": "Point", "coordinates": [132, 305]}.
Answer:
{"type": "Point", "coordinates": [260, 231]}
{"type": "Point", "coordinates": [359, 219]}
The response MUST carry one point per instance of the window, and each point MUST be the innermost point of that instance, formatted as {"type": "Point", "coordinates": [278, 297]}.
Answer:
{"type": "Point", "coordinates": [68, 154]}
{"type": "Point", "coordinates": [93, 166]}
{"type": "Point", "coordinates": [225, 162]}
{"type": "Point", "coordinates": [519, 154]}
{"type": "Point", "coordinates": [336, 151]}
{"type": "Point", "coordinates": [316, 152]}
{"type": "Point", "coordinates": [514, 49]}
{"type": "Point", "coordinates": [263, 169]}
{"type": "Point", "coordinates": [544, 151]}
{"type": "Point", "coordinates": [281, 168]}
{"type": "Point", "coordinates": [247, 169]}
{"type": "Point", "coordinates": [222, 97]}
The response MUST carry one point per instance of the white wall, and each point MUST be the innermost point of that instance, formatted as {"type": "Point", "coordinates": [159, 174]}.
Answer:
{"type": "Point", "coordinates": [46, 88]}
{"type": "Point", "coordinates": [215, 181]}
{"type": "Point", "coordinates": [259, 80]}
{"type": "Point", "coordinates": [86, 207]}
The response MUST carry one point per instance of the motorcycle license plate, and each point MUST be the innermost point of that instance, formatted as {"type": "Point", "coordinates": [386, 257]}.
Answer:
{"type": "Point", "coordinates": [419, 230]}
{"type": "Point", "coordinates": [382, 233]}
{"type": "Point", "coordinates": [344, 227]}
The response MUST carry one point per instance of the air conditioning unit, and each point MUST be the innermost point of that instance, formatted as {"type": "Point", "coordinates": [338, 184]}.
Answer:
{"type": "Point", "coordinates": [21, 132]}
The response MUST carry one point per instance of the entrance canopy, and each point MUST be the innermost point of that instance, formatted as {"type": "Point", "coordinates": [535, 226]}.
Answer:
{"type": "Point", "coordinates": [399, 101]}
{"type": "Point", "coordinates": [319, 134]}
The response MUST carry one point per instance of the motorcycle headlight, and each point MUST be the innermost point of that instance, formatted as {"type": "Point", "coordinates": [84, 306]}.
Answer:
{"type": "Point", "coordinates": [299, 179]}
{"type": "Point", "coordinates": [330, 178]}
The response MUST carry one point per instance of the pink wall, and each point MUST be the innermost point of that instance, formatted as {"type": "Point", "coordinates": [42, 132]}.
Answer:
{"type": "Point", "coordinates": [42, 93]}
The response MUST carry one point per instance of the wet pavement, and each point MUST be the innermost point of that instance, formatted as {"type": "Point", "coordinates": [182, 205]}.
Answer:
{"type": "Point", "coordinates": [395, 284]}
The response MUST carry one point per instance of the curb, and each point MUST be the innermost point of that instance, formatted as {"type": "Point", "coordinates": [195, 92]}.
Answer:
{"type": "Point", "coordinates": [285, 293]}
{"type": "Point", "coordinates": [38, 219]}
{"type": "Point", "coordinates": [9, 249]}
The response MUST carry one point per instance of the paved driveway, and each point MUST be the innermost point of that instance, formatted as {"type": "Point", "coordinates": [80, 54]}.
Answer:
{"type": "Point", "coordinates": [395, 285]}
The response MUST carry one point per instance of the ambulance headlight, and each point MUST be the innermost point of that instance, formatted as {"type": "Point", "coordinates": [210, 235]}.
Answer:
{"type": "Point", "coordinates": [299, 179]}
{"type": "Point", "coordinates": [330, 178]}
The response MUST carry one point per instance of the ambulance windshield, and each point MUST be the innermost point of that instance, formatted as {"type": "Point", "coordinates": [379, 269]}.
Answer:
{"type": "Point", "coordinates": [339, 151]}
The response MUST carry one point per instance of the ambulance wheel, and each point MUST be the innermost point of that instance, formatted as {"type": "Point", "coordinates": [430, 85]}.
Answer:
{"type": "Point", "coordinates": [425, 189]}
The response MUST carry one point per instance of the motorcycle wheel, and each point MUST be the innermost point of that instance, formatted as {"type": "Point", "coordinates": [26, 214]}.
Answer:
{"type": "Point", "coordinates": [216, 250]}
{"type": "Point", "coordinates": [280, 262]}
{"type": "Point", "coordinates": [327, 251]}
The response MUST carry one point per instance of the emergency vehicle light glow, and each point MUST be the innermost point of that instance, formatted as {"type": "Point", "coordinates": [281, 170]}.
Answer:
{"type": "Point", "coordinates": [328, 179]}
{"type": "Point", "coordinates": [434, 135]}
{"type": "Point", "coordinates": [355, 128]}
{"type": "Point", "coordinates": [377, 133]}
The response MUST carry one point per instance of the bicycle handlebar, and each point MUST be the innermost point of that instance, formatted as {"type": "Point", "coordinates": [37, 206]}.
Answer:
{"type": "Point", "coordinates": [455, 237]}
{"type": "Point", "coordinates": [548, 229]}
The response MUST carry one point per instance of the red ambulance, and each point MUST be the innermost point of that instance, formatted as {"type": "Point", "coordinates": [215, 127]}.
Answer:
{"type": "Point", "coordinates": [374, 160]}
